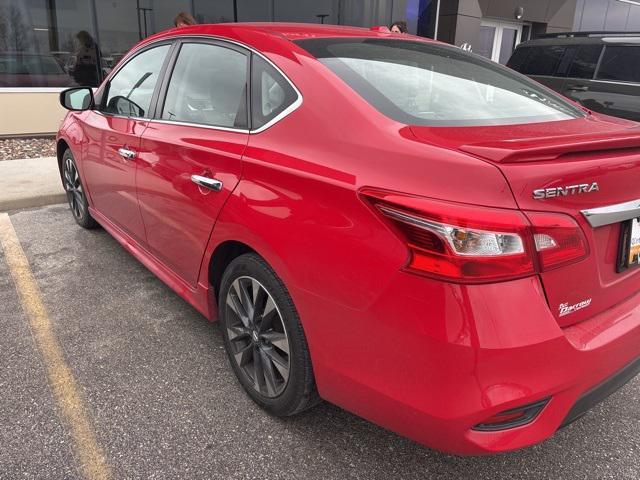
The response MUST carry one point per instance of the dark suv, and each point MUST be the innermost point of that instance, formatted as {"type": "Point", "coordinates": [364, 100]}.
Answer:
{"type": "Point", "coordinates": [601, 70]}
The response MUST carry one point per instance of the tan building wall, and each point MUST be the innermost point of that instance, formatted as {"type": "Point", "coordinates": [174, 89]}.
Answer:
{"type": "Point", "coordinates": [29, 113]}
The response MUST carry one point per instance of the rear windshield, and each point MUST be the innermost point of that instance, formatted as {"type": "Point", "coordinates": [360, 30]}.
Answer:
{"type": "Point", "coordinates": [419, 83]}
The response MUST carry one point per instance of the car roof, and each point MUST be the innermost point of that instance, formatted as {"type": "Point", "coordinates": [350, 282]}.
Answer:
{"type": "Point", "coordinates": [280, 30]}
{"type": "Point", "coordinates": [294, 31]}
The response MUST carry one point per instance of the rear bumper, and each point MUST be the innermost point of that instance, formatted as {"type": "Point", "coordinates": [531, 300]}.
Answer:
{"type": "Point", "coordinates": [430, 360]}
{"type": "Point", "coordinates": [600, 393]}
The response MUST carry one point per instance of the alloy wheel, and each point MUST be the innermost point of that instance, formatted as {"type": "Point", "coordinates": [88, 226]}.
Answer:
{"type": "Point", "coordinates": [258, 337]}
{"type": "Point", "coordinates": [73, 187]}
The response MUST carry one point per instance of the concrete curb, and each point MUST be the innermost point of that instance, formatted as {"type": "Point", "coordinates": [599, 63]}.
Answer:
{"type": "Point", "coordinates": [29, 183]}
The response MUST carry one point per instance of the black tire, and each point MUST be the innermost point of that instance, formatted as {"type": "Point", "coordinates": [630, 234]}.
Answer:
{"type": "Point", "coordinates": [75, 192]}
{"type": "Point", "coordinates": [244, 344]}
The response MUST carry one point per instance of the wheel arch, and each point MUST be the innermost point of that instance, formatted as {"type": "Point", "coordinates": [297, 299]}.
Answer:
{"type": "Point", "coordinates": [221, 257]}
{"type": "Point", "coordinates": [61, 147]}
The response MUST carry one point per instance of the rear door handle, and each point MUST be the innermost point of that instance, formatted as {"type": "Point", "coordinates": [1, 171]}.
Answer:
{"type": "Point", "coordinates": [578, 88]}
{"type": "Point", "coordinates": [206, 182]}
{"type": "Point", "coordinates": [126, 154]}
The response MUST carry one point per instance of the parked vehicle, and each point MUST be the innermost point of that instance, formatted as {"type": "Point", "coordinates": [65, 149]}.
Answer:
{"type": "Point", "coordinates": [32, 70]}
{"type": "Point", "coordinates": [597, 69]}
{"type": "Point", "coordinates": [414, 233]}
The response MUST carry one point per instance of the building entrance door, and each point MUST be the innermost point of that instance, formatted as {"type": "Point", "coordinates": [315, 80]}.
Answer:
{"type": "Point", "coordinates": [498, 40]}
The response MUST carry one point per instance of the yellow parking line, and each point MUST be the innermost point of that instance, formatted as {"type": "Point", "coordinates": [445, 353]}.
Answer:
{"type": "Point", "coordinates": [72, 410]}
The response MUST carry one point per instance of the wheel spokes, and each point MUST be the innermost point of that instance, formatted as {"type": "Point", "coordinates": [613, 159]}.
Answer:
{"type": "Point", "coordinates": [278, 340]}
{"type": "Point", "coordinates": [268, 373]}
{"type": "Point", "coordinates": [269, 314]}
{"type": "Point", "coordinates": [257, 336]}
{"type": "Point", "coordinates": [245, 355]}
{"type": "Point", "coordinates": [246, 299]}
{"type": "Point", "coordinates": [234, 302]}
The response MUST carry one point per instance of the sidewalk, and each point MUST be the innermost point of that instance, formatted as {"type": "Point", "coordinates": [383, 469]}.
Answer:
{"type": "Point", "coordinates": [32, 182]}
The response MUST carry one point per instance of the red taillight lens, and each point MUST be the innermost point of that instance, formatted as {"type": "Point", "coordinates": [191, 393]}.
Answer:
{"type": "Point", "coordinates": [558, 238]}
{"type": "Point", "coordinates": [458, 242]}
{"type": "Point", "coordinates": [472, 244]}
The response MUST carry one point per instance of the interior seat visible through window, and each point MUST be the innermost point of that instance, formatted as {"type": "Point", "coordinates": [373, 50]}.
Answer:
{"type": "Point", "coordinates": [208, 87]}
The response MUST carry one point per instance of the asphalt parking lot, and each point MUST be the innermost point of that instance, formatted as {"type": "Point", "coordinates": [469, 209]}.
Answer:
{"type": "Point", "coordinates": [163, 403]}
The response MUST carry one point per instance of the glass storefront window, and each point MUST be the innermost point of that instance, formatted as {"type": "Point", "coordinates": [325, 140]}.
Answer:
{"type": "Point", "coordinates": [123, 23]}
{"type": "Point", "coordinates": [62, 43]}
{"type": "Point", "coordinates": [47, 44]}
{"type": "Point", "coordinates": [219, 11]}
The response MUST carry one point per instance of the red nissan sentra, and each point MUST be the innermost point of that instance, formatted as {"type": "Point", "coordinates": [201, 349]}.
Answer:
{"type": "Point", "coordinates": [418, 235]}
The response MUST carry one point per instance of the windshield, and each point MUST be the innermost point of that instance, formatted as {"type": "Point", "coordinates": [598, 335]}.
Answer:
{"type": "Point", "coordinates": [419, 83]}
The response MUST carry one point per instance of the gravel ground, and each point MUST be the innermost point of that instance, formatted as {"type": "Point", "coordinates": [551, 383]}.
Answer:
{"type": "Point", "coordinates": [15, 148]}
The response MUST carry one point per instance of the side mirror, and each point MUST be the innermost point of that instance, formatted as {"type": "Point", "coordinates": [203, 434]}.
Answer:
{"type": "Point", "coordinates": [77, 98]}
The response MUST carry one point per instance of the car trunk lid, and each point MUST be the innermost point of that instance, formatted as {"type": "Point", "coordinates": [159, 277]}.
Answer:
{"type": "Point", "coordinates": [562, 163]}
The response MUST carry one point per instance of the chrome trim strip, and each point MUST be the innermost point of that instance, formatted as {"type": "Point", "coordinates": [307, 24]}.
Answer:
{"type": "Point", "coordinates": [290, 109]}
{"type": "Point", "coordinates": [115, 115]}
{"type": "Point", "coordinates": [199, 125]}
{"type": "Point", "coordinates": [611, 82]}
{"type": "Point", "coordinates": [598, 217]}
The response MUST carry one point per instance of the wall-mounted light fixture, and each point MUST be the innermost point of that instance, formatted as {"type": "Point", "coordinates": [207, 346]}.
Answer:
{"type": "Point", "coordinates": [519, 13]}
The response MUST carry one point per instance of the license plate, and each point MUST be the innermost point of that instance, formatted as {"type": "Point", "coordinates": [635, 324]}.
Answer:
{"type": "Point", "coordinates": [629, 245]}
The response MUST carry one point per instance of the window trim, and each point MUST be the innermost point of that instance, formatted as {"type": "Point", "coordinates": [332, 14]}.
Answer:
{"type": "Point", "coordinates": [596, 73]}
{"type": "Point", "coordinates": [225, 42]}
{"type": "Point", "coordinates": [166, 80]}
{"type": "Point", "coordinates": [99, 104]}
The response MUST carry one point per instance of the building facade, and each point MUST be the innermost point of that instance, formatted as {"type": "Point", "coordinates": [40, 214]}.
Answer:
{"type": "Point", "coordinates": [47, 45]}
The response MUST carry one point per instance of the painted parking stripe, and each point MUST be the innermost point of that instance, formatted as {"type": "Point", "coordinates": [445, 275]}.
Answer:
{"type": "Point", "coordinates": [70, 405]}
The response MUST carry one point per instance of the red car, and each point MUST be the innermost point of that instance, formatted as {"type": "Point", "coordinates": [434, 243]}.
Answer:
{"type": "Point", "coordinates": [418, 235]}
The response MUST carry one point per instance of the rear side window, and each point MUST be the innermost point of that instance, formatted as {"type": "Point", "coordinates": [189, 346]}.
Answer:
{"type": "Point", "coordinates": [585, 61]}
{"type": "Point", "coordinates": [421, 83]}
{"type": "Point", "coordinates": [208, 86]}
{"type": "Point", "coordinates": [543, 60]}
{"type": "Point", "coordinates": [271, 93]}
{"type": "Point", "coordinates": [620, 63]}
{"type": "Point", "coordinates": [518, 58]}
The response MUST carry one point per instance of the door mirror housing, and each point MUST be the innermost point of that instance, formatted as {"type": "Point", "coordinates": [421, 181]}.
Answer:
{"type": "Point", "coordinates": [77, 98]}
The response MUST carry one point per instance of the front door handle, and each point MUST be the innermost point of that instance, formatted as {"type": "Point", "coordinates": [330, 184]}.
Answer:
{"type": "Point", "coordinates": [206, 182]}
{"type": "Point", "coordinates": [126, 154]}
{"type": "Point", "coordinates": [578, 88]}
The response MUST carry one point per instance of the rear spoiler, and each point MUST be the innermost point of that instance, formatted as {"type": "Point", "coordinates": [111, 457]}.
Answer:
{"type": "Point", "coordinates": [536, 150]}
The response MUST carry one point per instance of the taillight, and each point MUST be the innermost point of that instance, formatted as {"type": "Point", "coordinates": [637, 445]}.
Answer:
{"type": "Point", "coordinates": [473, 244]}
{"type": "Point", "coordinates": [558, 239]}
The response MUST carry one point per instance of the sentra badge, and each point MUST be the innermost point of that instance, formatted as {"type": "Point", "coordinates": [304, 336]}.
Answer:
{"type": "Point", "coordinates": [565, 191]}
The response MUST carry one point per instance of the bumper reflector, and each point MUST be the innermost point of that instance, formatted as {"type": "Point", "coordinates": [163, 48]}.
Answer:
{"type": "Point", "coordinates": [515, 417]}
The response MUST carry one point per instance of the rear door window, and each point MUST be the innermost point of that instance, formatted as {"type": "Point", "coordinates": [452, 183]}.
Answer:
{"type": "Point", "coordinates": [543, 60]}
{"type": "Point", "coordinates": [585, 61]}
{"type": "Point", "coordinates": [620, 63]}
{"type": "Point", "coordinates": [208, 86]}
